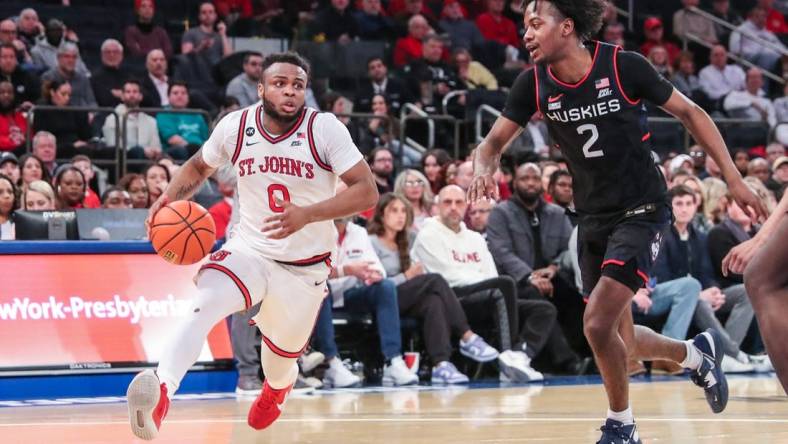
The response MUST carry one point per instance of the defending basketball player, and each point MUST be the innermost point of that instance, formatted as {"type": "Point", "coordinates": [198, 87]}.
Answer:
{"type": "Point", "coordinates": [287, 158]}
{"type": "Point", "coordinates": [590, 94]}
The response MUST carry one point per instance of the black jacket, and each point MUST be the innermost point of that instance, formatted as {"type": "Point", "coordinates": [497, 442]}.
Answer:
{"type": "Point", "coordinates": [396, 93]}
{"type": "Point", "coordinates": [27, 87]}
{"type": "Point", "coordinates": [677, 259]}
{"type": "Point", "coordinates": [104, 80]}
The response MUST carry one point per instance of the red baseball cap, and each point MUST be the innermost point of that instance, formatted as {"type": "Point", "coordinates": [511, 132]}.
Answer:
{"type": "Point", "coordinates": [651, 23]}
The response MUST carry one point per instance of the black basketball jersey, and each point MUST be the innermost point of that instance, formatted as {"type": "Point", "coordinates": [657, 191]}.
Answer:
{"type": "Point", "coordinates": [603, 135]}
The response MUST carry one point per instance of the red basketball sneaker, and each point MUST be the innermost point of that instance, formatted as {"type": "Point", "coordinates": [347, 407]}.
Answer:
{"type": "Point", "coordinates": [267, 407]}
{"type": "Point", "coordinates": [148, 404]}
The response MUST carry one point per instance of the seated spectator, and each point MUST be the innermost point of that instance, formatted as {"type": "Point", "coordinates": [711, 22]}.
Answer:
{"type": "Point", "coordinates": [614, 34]}
{"type": "Point", "coordinates": [463, 33]}
{"type": "Point", "coordinates": [560, 189]}
{"type": "Point", "coordinates": [404, 10]}
{"type": "Point", "coordinates": [156, 84]}
{"type": "Point", "coordinates": [45, 151]}
{"type": "Point", "coordinates": [26, 86]}
{"type": "Point", "coordinates": [686, 21]}
{"type": "Point", "coordinates": [70, 128]}
{"type": "Point", "coordinates": [780, 169]}
{"type": "Point", "coordinates": [753, 50]}
{"type": "Point", "coordinates": [413, 186]}
{"type": "Point", "coordinates": [773, 152]}
{"type": "Point", "coordinates": [434, 164]}
{"type": "Point", "coordinates": [698, 161]}
{"type": "Point", "coordinates": [335, 23]}
{"type": "Point", "coordinates": [84, 164]}
{"type": "Point", "coordinates": [144, 36]}
{"type": "Point", "coordinates": [698, 188]}
{"type": "Point", "coordinates": [65, 71]}
{"type": "Point", "coordinates": [8, 36]}
{"type": "Point", "coordinates": [684, 253]}
{"type": "Point", "coordinates": [33, 168]}
{"type": "Point", "coordinates": [38, 195]}
{"type": "Point", "coordinates": [13, 124]}
{"type": "Point", "coordinates": [70, 187]}
{"type": "Point", "coordinates": [371, 22]}
{"type": "Point", "coordinates": [526, 236]}
{"type": "Point", "coordinates": [45, 53]}
{"type": "Point", "coordinates": [658, 56]}
{"type": "Point", "coordinates": [29, 27]}
{"type": "Point", "coordinates": [741, 158]}
{"type": "Point", "coordinates": [759, 168]}
{"type": "Point", "coordinates": [734, 229]}
{"type": "Point", "coordinates": [431, 78]}
{"type": "Point", "coordinates": [479, 216]}
{"type": "Point", "coordinates": [381, 162]}
{"type": "Point", "coordinates": [9, 166]}
{"type": "Point", "coordinates": [447, 247]}
{"type": "Point", "coordinates": [425, 296]}
{"type": "Point", "coordinates": [137, 187]}
{"type": "Point", "coordinates": [781, 106]}
{"type": "Point", "coordinates": [244, 86]}
{"type": "Point", "coordinates": [719, 78]}
{"type": "Point", "coordinates": [496, 27]}
{"type": "Point", "coordinates": [752, 103]}
{"type": "Point", "coordinates": [715, 200]}
{"type": "Point", "coordinates": [775, 19]}
{"type": "Point", "coordinates": [142, 132]}
{"type": "Point", "coordinates": [116, 198]}
{"type": "Point", "coordinates": [722, 10]}
{"type": "Point", "coordinates": [655, 36]}
{"type": "Point", "coordinates": [464, 175]}
{"type": "Point", "coordinates": [358, 282]}
{"type": "Point", "coordinates": [181, 134]}
{"type": "Point", "coordinates": [472, 73]}
{"type": "Point", "coordinates": [157, 177]}
{"type": "Point", "coordinates": [408, 48]}
{"type": "Point", "coordinates": [391, 87]}
{"type": "Point", "coordinates": [8, 204]}
{"type": "Point", "coordinates": [209, 39]}
{"type": "Point", "coordinates": [107, 81]}
{"type": "Point", "coordinates": [685, 79]}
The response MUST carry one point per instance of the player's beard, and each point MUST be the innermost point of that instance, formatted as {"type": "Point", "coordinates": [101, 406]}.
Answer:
{"type": "Point", "coordinates": [272, 113]}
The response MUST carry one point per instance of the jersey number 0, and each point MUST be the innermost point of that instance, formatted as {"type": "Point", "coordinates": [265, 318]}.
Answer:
{"type": "Point", "coordinates": [285, 196]}
{"type": "Point", "coordinates": [587, 151]}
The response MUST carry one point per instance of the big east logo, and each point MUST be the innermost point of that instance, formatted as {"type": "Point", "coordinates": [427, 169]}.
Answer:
{"type": "Point", "coordinates": [220, 255]}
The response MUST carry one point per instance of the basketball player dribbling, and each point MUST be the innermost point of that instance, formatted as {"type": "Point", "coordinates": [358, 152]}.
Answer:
{"type": "Point", "coordinates": [591, 96]}
{"type": "Point", "coordinates": [287, 158]}
{"type": "Point", "coordinates": [762, 259]}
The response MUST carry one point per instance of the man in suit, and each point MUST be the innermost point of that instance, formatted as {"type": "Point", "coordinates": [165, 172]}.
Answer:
{"type": "Point", "coordinates": [393, 89]}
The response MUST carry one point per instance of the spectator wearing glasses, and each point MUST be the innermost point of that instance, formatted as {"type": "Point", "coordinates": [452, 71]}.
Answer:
{"type": "Point", "coordinates": [413, 186]}
{"type": "Point", "coordinates": [381, 162]}
{"type": "Point", "coordinates": [244, 86]}
{"type": "Point", "coordinates": [9, 36]}
{"type": "Point", "coordinates": [66, 71]}
{"type": "Point", "coordinates": [107, 81]}
{"type": "Point", "coordinates": [479, 216]}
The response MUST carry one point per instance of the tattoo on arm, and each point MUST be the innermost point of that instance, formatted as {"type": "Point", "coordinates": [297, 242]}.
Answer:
{"type": "Point", "coordinates": [186, 190]}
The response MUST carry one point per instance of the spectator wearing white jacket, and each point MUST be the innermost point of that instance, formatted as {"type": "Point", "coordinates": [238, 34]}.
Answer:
{"type": "Point", "coordinates": [446, 246]}
{"type": "Point", "coordinates": [358, 283]}
{"type": "Point", "coordinates": [753, 50]}
{"type": "Point", "coordinates": [142, 132]}
{"type": "Point", "coordinates": [752, 103]}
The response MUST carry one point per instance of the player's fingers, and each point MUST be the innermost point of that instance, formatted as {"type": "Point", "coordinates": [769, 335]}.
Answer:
{"type": "Point", "coordinates": [274, 218]}
{"type": "Point", "coordinates": [268, 228]}
{"type": "Point", "coordinates": [725, 264]}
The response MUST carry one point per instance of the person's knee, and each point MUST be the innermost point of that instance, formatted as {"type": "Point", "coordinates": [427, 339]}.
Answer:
{"type": "Point", "coordinates": [688, 288]}
{"type": "Point", "coordinates": [597, 327]}
{"type": "Point", "coordinates": [386, 290]}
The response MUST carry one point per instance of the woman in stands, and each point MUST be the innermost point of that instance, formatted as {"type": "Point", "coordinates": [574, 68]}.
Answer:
{"type": "Point", "coordinates": [157, 177]}
{"type": "Point", "coordinates": [414, 186]}
{"type": "Point", "coordinates": [70, 187]}
{"type": "Point", "coordinates": [33, 169]}
{"type": "Point", "coordinates": [434, 164]}
{"type": "Point", "coordinates": [39, 196]}
{"type": "Point", "coordinates": [71, 129]}
{"type": "Point", "coordinates": [8, 204]}
{"type": "Point", "coordinates": [137, 188]}
{"type": "Point", "coordinates": [425, 296]}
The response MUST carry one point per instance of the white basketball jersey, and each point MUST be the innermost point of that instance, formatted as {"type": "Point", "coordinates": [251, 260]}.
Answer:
{"type": "Point", "coordinates": [301, 166]}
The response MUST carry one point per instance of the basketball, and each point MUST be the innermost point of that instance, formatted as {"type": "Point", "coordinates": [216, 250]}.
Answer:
{"type": "Point", "coordinates": [182, 232]}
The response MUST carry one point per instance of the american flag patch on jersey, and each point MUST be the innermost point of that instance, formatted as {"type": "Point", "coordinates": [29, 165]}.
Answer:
{"type": "Point", "coordinates": [300, 135]}
{"type": "Point", "coordinates": [602, 83]}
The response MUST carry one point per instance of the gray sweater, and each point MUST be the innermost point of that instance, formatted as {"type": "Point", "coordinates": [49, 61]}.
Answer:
{"type": "Point", "coordinates": [390, 258]}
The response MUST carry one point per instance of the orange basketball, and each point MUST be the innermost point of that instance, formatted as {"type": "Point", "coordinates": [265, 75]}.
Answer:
{"type": "Point", "coordinates": [182, 232]}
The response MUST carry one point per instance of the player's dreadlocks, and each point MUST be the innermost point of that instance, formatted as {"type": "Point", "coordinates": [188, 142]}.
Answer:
{"type": "Point", "coordinates": [587, 14]}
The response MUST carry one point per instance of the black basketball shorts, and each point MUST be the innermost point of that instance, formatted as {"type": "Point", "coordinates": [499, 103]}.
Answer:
{"type": "Point", "coordinates": [624, 250]}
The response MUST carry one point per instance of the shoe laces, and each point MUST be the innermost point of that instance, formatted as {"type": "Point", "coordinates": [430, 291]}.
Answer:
{"type": "Point", "coordinates": [617, 430]}
{"type": "Point", "coordinates": [700, 376]}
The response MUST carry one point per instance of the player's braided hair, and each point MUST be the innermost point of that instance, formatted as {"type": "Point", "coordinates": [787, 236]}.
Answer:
{"type": "Point", "coordinates": [587, 14]}
{"type": "Point", "coordinates": [292, 58]}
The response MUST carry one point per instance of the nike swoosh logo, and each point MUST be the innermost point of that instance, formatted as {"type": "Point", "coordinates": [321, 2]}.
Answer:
{"type": "Point", "coordinates": [253, 143]}
{"type": "Point", "coordinates": [319, 283]}
{"type": "Point", "coordinates": [555, 99]}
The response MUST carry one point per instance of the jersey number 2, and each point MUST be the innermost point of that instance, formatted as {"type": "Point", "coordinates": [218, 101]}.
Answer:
{"type": "Point", "coordinates": [587, 151]}
{"type": "Point", "coordinates": [285, 196]}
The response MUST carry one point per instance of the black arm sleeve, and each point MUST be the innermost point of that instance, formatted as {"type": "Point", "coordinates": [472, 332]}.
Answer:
{"type": "Point", "coordinates": [640, 80]}
{"type": "Point", "coordinates": [521, 102]}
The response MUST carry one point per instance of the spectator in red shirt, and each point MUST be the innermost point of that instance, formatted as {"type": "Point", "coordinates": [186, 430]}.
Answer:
{"type": "Point", "coordinates": [655, 36]}
{"type": "Point", "coordinates": [494, 26]}
{"type": "Point", "coordinates": [13, 125]}
{"type": "Point", "coordinates": [84, 164]}
{"type": "Point", "coordinates": [222, 211]}
{"type": "Point", "coordinates": [70, 187]}
{"type": "Point", "coordinates": [408, 49]}
{"type": "Point", "coordinates": [775, 20]}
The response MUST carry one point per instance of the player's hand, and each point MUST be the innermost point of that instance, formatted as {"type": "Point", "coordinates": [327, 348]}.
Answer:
{"type": "Point", "coordinates": [737, 259]}
{"type": "Point", "coordinates": [482, 187]}
{"type": "Point", "coordinates": [642, 300]}
{"type": "Point", "coordinates": [290, 220]}
{"type": "Point", "coordinates": [748, 201]}
{"type": "Point", "coordinates": [163, 200]}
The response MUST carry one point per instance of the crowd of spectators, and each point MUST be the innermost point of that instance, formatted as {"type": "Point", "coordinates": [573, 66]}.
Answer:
{"type": "Point", "coordinates": [499, 278]}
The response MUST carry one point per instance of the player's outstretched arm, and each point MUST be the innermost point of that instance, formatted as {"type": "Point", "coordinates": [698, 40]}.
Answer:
{"type": "Point", "coordinates": [737, 259]}
{"type": "Point", "coordinates": [488, 158]}
{"type": "Point", "coordinates": [705, 132]}
{"type": "Point", "coordinates": [184, 184]}
{"type": "Point", "coordinates": [361, 194]}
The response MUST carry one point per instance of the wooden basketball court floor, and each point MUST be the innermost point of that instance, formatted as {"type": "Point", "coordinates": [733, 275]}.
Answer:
{"type": "Point", "coordinates": [670, 410]}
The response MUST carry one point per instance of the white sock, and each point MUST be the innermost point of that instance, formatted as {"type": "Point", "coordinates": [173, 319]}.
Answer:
{"type": "Point", "coordinates": [463, 342]}
{"type": "Point", "coordinates": [624, 417]}
{"type": "Point", "coordinates": [694, 357]}
{"type": "Point", "coordinates": [171, 385]}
